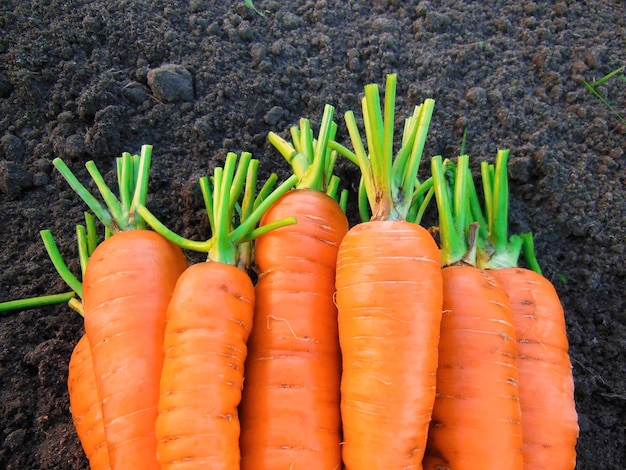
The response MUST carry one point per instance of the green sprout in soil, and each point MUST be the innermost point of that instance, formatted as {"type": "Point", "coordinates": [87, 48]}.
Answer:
{"type": "Point", "coordinates": [250, 4]}
{"type": "Point", "coordinates": [592, 87]}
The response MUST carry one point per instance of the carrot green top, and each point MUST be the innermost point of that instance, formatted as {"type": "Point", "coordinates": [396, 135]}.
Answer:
{"type": "Point", "coordinates": [456, 231]}
{"type": "Point", "coordinates": [467, 234]}
{"type": "Point", "coordinates": [312, 160]}
{"type": "Point", "coordinates": [232, 221]}
{"type": "Point", "coordinates": [496, 249]}
{"type": "Point", "coordinates": [389, 183]}
{"type": "Point", "coordinates": [119, 212]}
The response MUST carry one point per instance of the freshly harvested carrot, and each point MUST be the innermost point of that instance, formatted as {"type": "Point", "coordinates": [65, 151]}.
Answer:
{"type": "Point", "coordinates": [127, 286]}
{"type": "Point", "coordinates": [86, 407]}
{"type": "Point", "coordinates": [476, 420]}
{"type": "Point", "coordinates": [546, 385]}
{"type": "Point", "coordinates": [389, 297]}
{"type": "Point", "coordinates": [209, 320]}
{"type": "Point", "coordinates": [290, 410]}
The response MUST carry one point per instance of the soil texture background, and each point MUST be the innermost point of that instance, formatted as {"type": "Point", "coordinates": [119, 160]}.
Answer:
{"type": "Point", "coordinates": [196, 79]}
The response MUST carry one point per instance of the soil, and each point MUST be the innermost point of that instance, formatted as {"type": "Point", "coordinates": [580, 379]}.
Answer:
{"type": "Point", "coordinates": [77, 81]}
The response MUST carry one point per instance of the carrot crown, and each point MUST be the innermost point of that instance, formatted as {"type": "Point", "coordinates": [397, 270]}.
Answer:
{"type": "Point", "coordinates": [467, 233]}
{"type": "Point", "coordinates": [456, 228]}
{"type": "Point", "coordinates": [496, 249]}
{"type": "Point", "coordinates": [233, 223]}
{"type": "Point", "coordinates": [119, 212]}
{"type": "Point", "coordinates": [312, 160]}
{"type": "Point", "coordinates": [389, 183]}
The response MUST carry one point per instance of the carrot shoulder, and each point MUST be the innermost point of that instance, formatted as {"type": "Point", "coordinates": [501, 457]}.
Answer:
{"type": "Point", "coordinates": [209, 320]}
{"type": "Point", "coordinates": [476, 420]}
{"type": "Point", "coordinates": [127, 286]}
{"type": "Point", "coordinates": [389, 297]}
{"type": "Point", "coordinates": [290, 408]}
{"type": "Point", "coordinates": [546, 385]}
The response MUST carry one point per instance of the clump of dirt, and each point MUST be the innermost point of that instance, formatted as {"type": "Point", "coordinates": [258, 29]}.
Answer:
{"type": "Point", "coordinates": [77, 81]}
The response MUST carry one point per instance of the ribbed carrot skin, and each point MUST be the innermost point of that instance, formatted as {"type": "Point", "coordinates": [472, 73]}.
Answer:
{"type": "Point", "coordinates": [85, 406]}
{"type": "Point", "coordinates": [476, 422]}
{"type": "Point", "coordinates": [290, 409]}
{"type": "Point", "coordinates": [389, 296]}
{"type": "Point", "coordinates": [127, 286]}
{"type": "Point", "coordinates": [208, 323]}
{"type": "Point", "coordinates": [546, 385]}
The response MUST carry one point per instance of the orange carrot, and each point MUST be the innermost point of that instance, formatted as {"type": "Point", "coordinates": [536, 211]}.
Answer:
{"type": "Point", "coordinates": [126, 289]}
{"type": "Point", "coordinates": [293, 365]}
{"type": "Point", "coordinates": [546, 385]}
{"type": "Point", "coordinates": [208, 323]}
{"type": "Point", "coordinates": [389, 297]}
{"type": "Point", "coordinates": [476, 420]}
{"type": "Point", "coordinates": [86, 407]}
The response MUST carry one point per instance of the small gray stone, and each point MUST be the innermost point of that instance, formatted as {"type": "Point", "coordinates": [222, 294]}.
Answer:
{"type": "Point", "coordinates": [171, 83]}
{"type": "Point", "coordinates": [273, 115]}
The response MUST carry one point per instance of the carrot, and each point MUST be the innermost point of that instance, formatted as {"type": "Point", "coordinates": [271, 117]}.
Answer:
{"type": "Point", "coordinates": [126, 289]}
{"type": "Point", "coordinates": [476, 420]}
{"type": "Point", "coordinates": [209, 320]}
{"type": "Point", "coordinates": [546, 385]}
{"type": "Point", "coordinates": [290, 410]}
{"type": "Point", "coordinates": [85, 406]}
{"type": "Point", "coordinates": [389, 297]}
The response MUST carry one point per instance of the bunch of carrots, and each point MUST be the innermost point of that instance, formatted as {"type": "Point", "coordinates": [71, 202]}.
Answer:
{"type": "Point", "coordinates": [306, 343]}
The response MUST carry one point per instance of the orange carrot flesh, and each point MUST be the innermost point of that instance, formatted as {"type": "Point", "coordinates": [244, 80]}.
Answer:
{"type": "Point", "coordinates": [546, 386]}
{"type": "Point", "coordinates": [85, 406]}
{"type": "Point", "coordinates": [208, 323]}
{"type": "Point", "coordinates": [126, 289]}
{"type": "Point", "coordinates": [476, 420]}
{"type": "Point", "coordinates": [290, 409]}
{"type": "Point", "coordinates": [389, 297]}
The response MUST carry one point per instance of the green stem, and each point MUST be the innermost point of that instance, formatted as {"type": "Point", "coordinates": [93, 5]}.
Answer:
{"type": "Point", "coordinates": [98, 209]}
{"type": "Point", "coordinates": [343, 200]}
{"type": "Point", "coordinates": [344, 151]}
{"type": "Point", "coordinates": [92, 234]}
{"type": "Point", "coordinates": [59, 264]}
{"type": "Point", "coordinates": [461, 206]}
{"type": "Point", "coordinates": [529, 251]}
{"type": "Point", "coordinates": [422, 208]}
{"type": "Point", "coordinates": [35, 302]}
{"type": "Point", "coordinates": [158, 226]}
{"type": "Point", "coordinates": [499, 224]}
{"type": "Point", "coordinates": [453, 243]}
{"type": "Point", "coordinates": [83, 248]}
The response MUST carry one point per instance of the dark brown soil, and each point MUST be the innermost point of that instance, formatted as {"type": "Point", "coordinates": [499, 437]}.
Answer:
{"type": "Point", "coordinates": [74, 83]}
